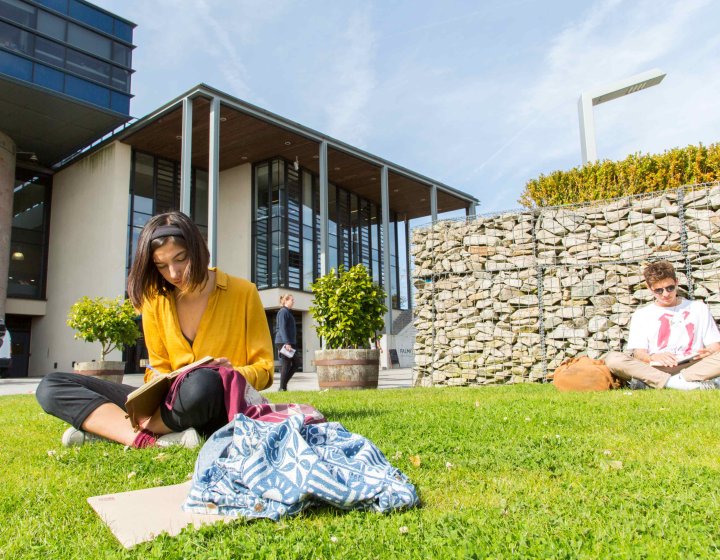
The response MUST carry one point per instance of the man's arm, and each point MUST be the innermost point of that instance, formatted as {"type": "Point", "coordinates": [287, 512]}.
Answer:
{"type": "Point", "coordinates": [705, 352]}
{"type": "Point", "coordinates": [664, 358]}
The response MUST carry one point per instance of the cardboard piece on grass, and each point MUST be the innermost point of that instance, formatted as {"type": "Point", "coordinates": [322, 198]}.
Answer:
{"type": "Point", "coordinates": [161, 509]}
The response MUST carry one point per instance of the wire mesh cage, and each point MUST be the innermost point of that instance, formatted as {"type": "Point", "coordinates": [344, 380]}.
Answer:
{"type": "Point", "coordinates": [505, 298]}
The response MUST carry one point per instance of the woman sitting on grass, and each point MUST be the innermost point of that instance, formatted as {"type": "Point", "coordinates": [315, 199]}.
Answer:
{"type": "Point", "coordinates": [188, 312]}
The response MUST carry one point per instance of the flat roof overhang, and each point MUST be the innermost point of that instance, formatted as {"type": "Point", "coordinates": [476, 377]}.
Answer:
{"type": "Point", "coordinates": [249, 134]}
{"type": "Point", "coordinates": [49, 124]}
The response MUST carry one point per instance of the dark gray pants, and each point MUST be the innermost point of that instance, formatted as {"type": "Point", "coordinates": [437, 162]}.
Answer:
{"type": "Point", "coordinates": [72, 397]}
{"type": "Point", "coordinates": [288, 366]}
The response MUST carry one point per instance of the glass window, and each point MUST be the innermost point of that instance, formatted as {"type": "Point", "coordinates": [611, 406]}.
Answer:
{"type": "Point", "coordinates": [51, 25]}
{"type": "Point", "coordinates": [91, 16]}
{"type": "Point", "coordinates": [88, 66]}
{"type": "Point", "coordinates": [143, 179]}
{"type": "Point", "coordinates": [82, 89]}
{"type": "Point", "coordinates": [26, 274]}
{"type": "Point", "coordinates": [200, 198]}
{"type": "Point", "coordinates": [261, 225]}
{"type": "Point", "coordinates": [57, 5]}
{"type": "Point", "coordinates": [123, 31]}
{"type": "Point", "coordinates": [89, 41]}
{"type": "Point", "coordinates": [120, 79]}
{"type": "Point", "coordinates": [309, 250]}
{"type": "Point", "coordinates": [15, 39]}
{"type": "Point", "coordinates": [121, 54]}
{"type": "Point", "coordinates": [18, 11]}
{"type": "Point", "coordinates": [16, 66]}
{"type": "Point", "coordinates": [49, 51]}
{"type": "Point", "coordinates": [49, 77]}
{"type": "Point", "coordinates": [120, 103]}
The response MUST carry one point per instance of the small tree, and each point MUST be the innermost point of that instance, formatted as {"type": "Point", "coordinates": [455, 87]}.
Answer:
{"type": "Point", "coordinates": [111, 322]}
{"type": "Point", "coordinates": [348, 308]}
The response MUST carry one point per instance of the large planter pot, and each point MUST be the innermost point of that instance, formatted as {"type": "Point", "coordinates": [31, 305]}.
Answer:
{"type": "Point", "coordinates": [108, 370]}
{"type": "Point", "coordinates": [348, 368]}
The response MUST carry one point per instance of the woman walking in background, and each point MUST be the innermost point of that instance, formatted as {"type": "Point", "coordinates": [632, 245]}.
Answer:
{"type": "Point", "coordinates": [286, 340]}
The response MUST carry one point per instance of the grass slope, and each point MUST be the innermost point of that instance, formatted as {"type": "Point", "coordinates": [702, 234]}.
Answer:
{"type": "Point", "coordinates": [514, 471]}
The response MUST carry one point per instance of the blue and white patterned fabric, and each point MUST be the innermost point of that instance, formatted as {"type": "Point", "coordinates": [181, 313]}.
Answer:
{"type": "Point", "coordinates": [252, 468]}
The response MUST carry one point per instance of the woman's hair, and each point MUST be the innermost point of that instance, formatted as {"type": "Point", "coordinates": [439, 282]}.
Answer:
{"type": "Point", "coordinates": [284, 298]}
{"type": "Point", "coordinates": [659, 270]}
{"type": "Point", "coordinates": [144, 280]}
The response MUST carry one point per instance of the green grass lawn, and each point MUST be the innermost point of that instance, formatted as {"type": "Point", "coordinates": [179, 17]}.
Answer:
{"type": "Point", "coordinates": [502, 472]}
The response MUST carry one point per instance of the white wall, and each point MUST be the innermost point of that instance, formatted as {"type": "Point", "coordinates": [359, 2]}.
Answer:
{"type": "Point", "coordinates": [235, 221]}
{"type": "Point", "coordinates": [86, 253]}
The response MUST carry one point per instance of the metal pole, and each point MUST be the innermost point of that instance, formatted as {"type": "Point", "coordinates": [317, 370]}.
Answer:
{"type": "Point", "coordinates": [588, 148]}
{"type": "Point", "coordinates": [408, 280]}
{"type": "Point", "coordinates": [433, 203]}
{"type": "Point", "coordinates": [7, 185]}
{"type": "Point", "coordinates": [186, 156]}
{"type": "Point", "coordinates": [213, 177]}
{"type": "Point", "coordinates": [324, 213]}
{"type": "Point", "coordinates": [385, 199]}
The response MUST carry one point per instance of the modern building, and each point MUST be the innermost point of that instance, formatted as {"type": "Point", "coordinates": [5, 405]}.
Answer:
{"type": "Point", "coordinates": [281, 204]}
{"type": "Point", "coordinates": [65, 74]}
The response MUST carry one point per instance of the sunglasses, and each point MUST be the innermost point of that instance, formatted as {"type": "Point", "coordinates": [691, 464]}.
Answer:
{"type": "Point", "coordinates": [669, 289]}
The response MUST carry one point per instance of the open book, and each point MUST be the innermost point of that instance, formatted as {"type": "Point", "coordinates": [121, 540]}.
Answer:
{"type": "Point", "coordinates": [145, 400]}
{"type": "Point", "coordinates": [680, 360]}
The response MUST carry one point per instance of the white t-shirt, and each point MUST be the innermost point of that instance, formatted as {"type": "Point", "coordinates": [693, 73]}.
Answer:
{"type": "Point", "coordinates": [681, 330]}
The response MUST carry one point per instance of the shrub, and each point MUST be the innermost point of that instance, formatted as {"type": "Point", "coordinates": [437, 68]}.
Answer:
{"type": "Point", "coordinates": [111, 322]}
{"type": "Point", "coordinates": [635, 174]}
{"type": "Point", "coordinates": [348, 308]}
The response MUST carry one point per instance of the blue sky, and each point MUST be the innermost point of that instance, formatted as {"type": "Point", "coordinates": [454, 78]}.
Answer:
{"type": "Point", "coordinates": [481, 96]}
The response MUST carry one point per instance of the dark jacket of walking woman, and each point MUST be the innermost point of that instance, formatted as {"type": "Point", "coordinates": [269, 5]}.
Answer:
{"type": "Point", "coordinates": [286, 338]}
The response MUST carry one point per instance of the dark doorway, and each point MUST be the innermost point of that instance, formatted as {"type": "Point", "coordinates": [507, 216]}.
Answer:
{"type": "Point", "coordinates": [19, 327]}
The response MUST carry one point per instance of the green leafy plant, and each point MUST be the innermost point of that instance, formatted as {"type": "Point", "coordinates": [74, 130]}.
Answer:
{"type": "Point", "coordinates": [636, 174]}
{"type": "Point", "coordinates": [348, 308]}
{"type": "Point", "coordinates": [111, 322]}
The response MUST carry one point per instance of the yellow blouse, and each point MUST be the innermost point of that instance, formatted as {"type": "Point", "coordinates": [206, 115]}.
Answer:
{"type": "Point", "coordinates": [233, 325]}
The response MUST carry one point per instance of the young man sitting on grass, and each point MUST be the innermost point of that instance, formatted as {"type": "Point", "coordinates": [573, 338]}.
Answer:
{"type": "Point", "coordinates": [664, 332]}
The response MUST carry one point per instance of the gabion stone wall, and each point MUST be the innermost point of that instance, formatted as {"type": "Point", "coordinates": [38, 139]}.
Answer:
{"type": "Point", "coordinates": [506, 298]}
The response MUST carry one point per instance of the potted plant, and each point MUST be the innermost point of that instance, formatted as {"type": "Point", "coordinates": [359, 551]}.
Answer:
{"type": "Point", "coordinates": [348, 309]}
{"type": "Point", "coordinates": [111, 322]}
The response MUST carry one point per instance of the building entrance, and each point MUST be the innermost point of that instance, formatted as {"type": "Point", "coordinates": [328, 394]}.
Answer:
{"type": "Point", "coordinates": [19, 328]}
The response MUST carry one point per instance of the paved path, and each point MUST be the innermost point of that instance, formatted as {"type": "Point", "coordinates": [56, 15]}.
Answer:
{"type": "Point", "coordinates": [389, 379]}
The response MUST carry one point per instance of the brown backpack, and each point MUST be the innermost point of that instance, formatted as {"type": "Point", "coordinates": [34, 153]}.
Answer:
{"type": "Point", "coordinates": [583, 374]}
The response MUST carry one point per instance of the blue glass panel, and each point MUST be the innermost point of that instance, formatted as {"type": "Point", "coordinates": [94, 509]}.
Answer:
{"type": "Point", "coordinates": [120, 102]}
{"type": "Point", "coordinates": [89, 41]}
{"type": "Point", "coordinates": [19, 12]}
{"type": "Point", "coordinates": [15, 66]}
{"type": "Point", "coordinates": [59, 5]}
{"type": "Point", "coordinates": [50, 52]}
{"type": "Point", "coordinates": [15, 39]}
{"type": "Point", "coordinates": [87, 66]}
{"type": "Point", "coordinates": [91, 16]}
{"type": "Point", "coordinates": [49, 78]}
{"type": "Point", "coordinates": [123, 31]}
{"type": "Point", "coordinates": [86, 91]}
{"type": "Point", "coordinates": [51, 25]}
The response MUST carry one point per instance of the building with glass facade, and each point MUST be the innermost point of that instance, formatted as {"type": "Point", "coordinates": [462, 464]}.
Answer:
{"type": "Point", "coordinates": [281, 204]}
{"type": "Point", "coordinates": [69, 47]}
{"type": "Point", "coordinates": [65, 76]}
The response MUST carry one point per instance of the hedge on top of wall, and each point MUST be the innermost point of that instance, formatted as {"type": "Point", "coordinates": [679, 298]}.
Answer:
{"type": "Point", "coordinates": [635, 174]}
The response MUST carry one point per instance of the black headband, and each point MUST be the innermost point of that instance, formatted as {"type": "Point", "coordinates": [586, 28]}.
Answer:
{"type": "Point", "coordinates": [166, 231]}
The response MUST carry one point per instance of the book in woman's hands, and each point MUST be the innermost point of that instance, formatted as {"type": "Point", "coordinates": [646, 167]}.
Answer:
{"type": "Point", "coordinates": [145, 400]}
